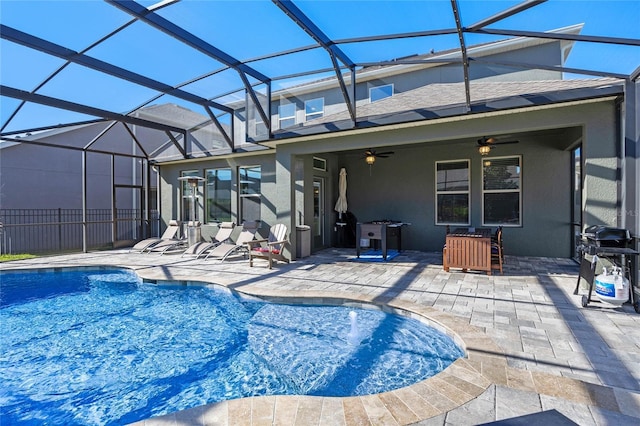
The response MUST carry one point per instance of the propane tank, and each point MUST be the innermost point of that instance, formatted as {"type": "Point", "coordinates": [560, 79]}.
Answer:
{"type": "Point", "coordinates": [612, 288]}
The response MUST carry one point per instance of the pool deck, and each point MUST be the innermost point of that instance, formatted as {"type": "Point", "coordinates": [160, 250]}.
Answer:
{"type": "Point", "coordinates": [532, 349]}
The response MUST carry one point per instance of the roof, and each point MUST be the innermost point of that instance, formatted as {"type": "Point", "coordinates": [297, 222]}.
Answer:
{"type": "Point", "coordinates": [447, 99]}
{"type": "Point", "coordinates": [448, 95]}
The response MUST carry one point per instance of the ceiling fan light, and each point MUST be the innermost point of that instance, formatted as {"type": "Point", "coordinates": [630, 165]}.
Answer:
{"type": "Point", "coordinates": [370, 159]}
{"type": "Point", "coordinates": [484, 149]}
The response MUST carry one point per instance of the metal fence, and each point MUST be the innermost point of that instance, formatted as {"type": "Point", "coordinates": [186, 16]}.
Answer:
{"type": "Point", "coordinates": [40, 231]}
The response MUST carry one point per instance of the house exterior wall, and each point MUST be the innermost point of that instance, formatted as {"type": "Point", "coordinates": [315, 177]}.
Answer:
{"type": "Point", "coordinates": [549, 54]}
{"type": "Point", "coordinates": [35, 177]}
{"type": "Point", "coordinates": [43, 177]}
{"type": "Point", "coordinates": [402, 187]}
{"type": "Point", "coordinates": [170, 191]}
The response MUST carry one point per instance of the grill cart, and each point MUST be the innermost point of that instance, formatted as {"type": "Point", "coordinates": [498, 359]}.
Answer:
{"type": "Point", "coordinates": [608, 243]}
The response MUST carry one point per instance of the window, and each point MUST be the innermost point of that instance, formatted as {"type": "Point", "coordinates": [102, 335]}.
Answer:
{"type": "Point", "coordinates": [452, 192]}
{"type": "Point", "coordinates": [501, 191]}
{"type": "Point", "coordinates": [261, 128]}
{"type": "Point", "coordinates": [249, 179]}
{"type": "Point", "coordinates": [380, 92]}
{"type": "Point", "coordinates": [287, 114]}
{"type": "Point", "coordinates": [187, 197]}
{"type": "Point", "coordinates": [218, 195]}
{"type": "Point", "coordinates": [319, 164]}
{"type": "Point", "coordinates": [313, 108]}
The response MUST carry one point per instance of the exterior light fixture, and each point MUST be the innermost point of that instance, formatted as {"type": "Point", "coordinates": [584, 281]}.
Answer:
{"type": "Point", "coordinates": [484, 149]}
{"type": "Point", "coordinates": [370, 159]}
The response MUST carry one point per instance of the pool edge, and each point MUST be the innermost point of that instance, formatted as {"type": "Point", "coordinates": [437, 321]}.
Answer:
{"type": "Point", "coordinates": [465, 379]}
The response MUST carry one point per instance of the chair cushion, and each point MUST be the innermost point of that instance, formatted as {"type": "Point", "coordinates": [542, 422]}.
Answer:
{"type": "Point", "coordinates": [266, 250]}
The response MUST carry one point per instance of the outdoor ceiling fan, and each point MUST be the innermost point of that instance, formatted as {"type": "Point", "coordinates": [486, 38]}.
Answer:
{"type": "Point", "coordinates": [486, 143]}
{"type": "Point", "coordinates": [370, 155]}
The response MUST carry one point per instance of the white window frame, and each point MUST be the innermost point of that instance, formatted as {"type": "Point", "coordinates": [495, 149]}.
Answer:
{"type": "Point", "coordinates": [317, 114]}
{"type": "Point", "coordinates": [257, 195]}
{"type": "Point", "coordinates": [449, 192]}
{"type": "Point", "coordinates": [319, 164]}
{"type": "Point", "coordinates": [503, 191]}
{"type": "Point", "coordinates": [206, 195]}
{"type": "Point", "coordinates": [259, 125]}
{"type": "Point", "coordinates": [379, 88]}
{"type": "Point", "coordinates": [282, 118]}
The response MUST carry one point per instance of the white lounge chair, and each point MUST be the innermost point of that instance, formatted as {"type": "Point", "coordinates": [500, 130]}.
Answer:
{"type": "Point", "coordinates": [171, 233]}
{"type": "Point", "coordinates": [202, 248]}
{"type": "Point", "coordinates": [224, 250]}
{"type": "Point", "coordinates": [176, 245]}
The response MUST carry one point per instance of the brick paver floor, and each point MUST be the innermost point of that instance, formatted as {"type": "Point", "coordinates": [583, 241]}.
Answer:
{"type": "Point", "coordinates": [532, 349]}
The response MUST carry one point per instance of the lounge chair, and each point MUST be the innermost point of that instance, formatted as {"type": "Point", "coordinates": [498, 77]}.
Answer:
{"type": "Point", "coordinates": [224, 250]}
{"type": "Point", "coordinates": [202, 248]}
{"type": "Point", "coordinates": [270, 248]}
{"type": "Point", "coordinates": [170, 233]}
{"type": "Point", "coordinates": [176, 245]}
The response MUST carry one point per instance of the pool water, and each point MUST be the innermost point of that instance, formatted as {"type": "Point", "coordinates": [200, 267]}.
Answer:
{"type": "Point", "coordinates": [103, 347]}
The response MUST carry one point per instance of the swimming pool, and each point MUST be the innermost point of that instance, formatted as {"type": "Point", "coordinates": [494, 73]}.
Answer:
{"type": "Point", "coordinates": [103, 347]}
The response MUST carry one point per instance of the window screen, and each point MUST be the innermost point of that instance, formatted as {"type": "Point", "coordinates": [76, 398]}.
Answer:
{"type": "Point", "coordinates": [452, 192]}
{"type": "Point", "coordinates": [501, 191]}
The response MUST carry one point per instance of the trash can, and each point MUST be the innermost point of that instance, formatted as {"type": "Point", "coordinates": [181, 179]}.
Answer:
{"type": "Point", "coordinates": [303, 241]}
{"type": "Point", "coordinates": [194, 232]}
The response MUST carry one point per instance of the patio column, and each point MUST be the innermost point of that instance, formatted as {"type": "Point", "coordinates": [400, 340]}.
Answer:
{"type": "Point", "coordinates": [631, 163]}
{"type": "Point", "coordinates": [602, 180]}
{"type": "Point", "coordinates": [285, 195]}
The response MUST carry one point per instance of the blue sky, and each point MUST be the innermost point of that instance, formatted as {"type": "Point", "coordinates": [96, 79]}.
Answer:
{"type": "Point", "coordinates": [249, 29]}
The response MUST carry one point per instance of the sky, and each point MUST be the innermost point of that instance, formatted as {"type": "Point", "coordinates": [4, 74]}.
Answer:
{"type": "Point", "coordinates": [249, 29]}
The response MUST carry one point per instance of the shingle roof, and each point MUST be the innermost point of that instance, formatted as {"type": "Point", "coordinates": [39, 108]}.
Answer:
{"type": "Point", "coordinates": [450, 95]}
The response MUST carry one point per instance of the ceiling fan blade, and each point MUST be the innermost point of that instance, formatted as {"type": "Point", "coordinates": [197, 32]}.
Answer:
{"type": "Point", "coordinates": [386, 153]}
{"type": "Point", "coordinates": [505, 142]}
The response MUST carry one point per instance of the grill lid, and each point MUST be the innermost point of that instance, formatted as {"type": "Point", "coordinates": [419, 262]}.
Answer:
{"type": "Point", "coordinates": [605, 233]}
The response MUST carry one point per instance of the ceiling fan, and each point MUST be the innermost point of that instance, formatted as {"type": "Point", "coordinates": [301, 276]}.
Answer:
{"type": "Point", "coordinates": [370, 155]}
{"type": "Point", "coordinates": [486, 143]}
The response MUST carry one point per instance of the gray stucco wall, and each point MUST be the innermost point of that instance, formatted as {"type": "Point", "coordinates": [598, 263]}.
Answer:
{"type": "Point", "coordinates": [42, 177]}
{"type": "Point", "coordinates": [170, 196]}
{"type": "Point", "coordinates": [402, 187]}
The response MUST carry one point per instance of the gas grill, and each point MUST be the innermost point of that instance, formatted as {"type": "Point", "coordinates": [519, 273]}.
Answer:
{"type": "Point", "coordinates": [613, 244]}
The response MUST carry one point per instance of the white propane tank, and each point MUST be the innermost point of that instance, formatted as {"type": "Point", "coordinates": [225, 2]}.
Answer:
{"type": "Point", "coordinates": [612, 288]}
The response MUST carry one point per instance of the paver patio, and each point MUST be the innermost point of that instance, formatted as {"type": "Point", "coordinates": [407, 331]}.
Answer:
{"type": "Point", "coordinates": [531, 346]}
